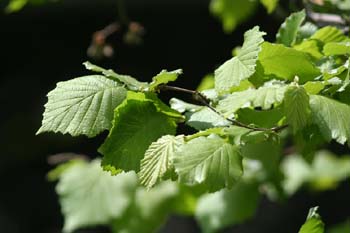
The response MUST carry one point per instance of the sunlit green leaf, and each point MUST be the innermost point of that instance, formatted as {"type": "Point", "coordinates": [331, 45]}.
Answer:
{"type": "Point", "coordinates": [264, 97]}
{"type": "Point", "coordinates": [164, 77]}
{"type": "Point", "coordinates": [130, 82]}
{"type": "Point", "coordinates": [209, 161]}
{"type": "Point", "coordinates": [287, 33]}
{"type": "Point", "coordinates": [158, 159]}
{"type": "Point", "coordinates": [132, 134]}
{"type": "Point", "coordinates": [337, 48]}
{"type": "Point", "coordinates": [82, 106]}
{"type": "Point", "coordinates": [296, 107]}
{"type": "Point", "coordinates": [311, 47]}
{"type": "Point", "coordinates": [332, 117]}
{"type": "Point", "coordinates": [329, 34]}
{"type": "Point", "coordinates": [242, 66]}
{"type": "Point", "coordinates": [313, 223]}
{"type": "Point", "coordinates": [286, 63]}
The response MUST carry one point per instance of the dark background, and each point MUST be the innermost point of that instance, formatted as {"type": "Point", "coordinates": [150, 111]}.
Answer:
{"type": "Point", "coordinates": [43, 45]}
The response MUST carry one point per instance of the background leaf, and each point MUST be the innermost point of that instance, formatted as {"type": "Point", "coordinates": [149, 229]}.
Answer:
{"type": "Point", "coordinates": [232, 13]}
{"type": "Point", "coordinates": [270, 5]}
{"type": "Point", "coordinates": [90, 196]}
{"type": "Point", "coordinates": [149, 209]}
{"type": "Point", "coordinates": [224, 208]}
{"type": "Point", "coordinates": [323, 173]}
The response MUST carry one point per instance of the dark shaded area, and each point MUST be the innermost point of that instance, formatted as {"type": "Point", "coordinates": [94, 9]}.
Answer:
{"type": "Point", "coordinates": [41, 46]}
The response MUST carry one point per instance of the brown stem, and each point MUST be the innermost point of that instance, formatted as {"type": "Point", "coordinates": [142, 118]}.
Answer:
{"type": "Point", "coordinates": [204, 100]}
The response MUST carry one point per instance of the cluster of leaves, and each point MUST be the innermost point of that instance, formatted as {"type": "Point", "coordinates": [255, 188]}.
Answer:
{"type": "Point", "coordinates": [294, 91]}
{"type": "Point", "coordinates": [233, 13]}
{"type": "Point", "coordinates": [90, 197]}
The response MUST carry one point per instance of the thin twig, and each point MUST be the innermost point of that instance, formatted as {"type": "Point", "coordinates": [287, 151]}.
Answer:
{"type": "Point", "coordinates": [204, 100]}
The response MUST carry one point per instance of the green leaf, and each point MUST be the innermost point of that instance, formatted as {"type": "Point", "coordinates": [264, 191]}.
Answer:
{"type": "Point", "coordinates": [347, 77]}
{"type": "Point", "coordinates": [332, 117]}
{"type": "Point", "coordinates": [218, 210]}
{"type": "Point", "coordinates": [90, 196]}
{"type": "Point", "coordinates": [286, 63]}
{"type": "Point", "coordinates": [137, 123]}
{"type": "Point", "coordinates": [337, 48]}
{"type": "Point", "coordinates": [264, 97]}
{"type": "Point", "coordinates": [56, 173]}
{"type": "Point", "coordinates": [182, 106]}
{"type": "Point", "coordinates": [149, 209]}
{"type": "Point", "coordinates": [297, 172]}
{"type": "Point", "coordinates": [332, 70]}
{"type": "Point", "coordinates": [270, 5]}
{"type": "Point", "coordinates": [329, 34]}
{"type": "Point", "coordinates": [263, 147]}
{"type": "Point", "coordinates": [296, 107]}
{"type": "Point", "coordinates": [162, 107]}
{"type": "Point", "coordinates": [306, 31]}
{"type": "Point", "coordinates": [313, 223]}
{"type": "Point", "coordinates": [314, 88]}
{"type": "Point", "coordinates": [266, 118]}
{"type": "Point", "coordinates": [311, 47]}
{"type": "Point", "coordinates": [186, 202]}
{"type": "Point", "coordinates": [328, 170]}
{"type": "Point", "coordinates": [287, 33]}
{"type": "Point", "coordinates": [208, 82]}
{"type": "Point", "coordinates": [199, 117]}
{"type": "Point", "coordinates": [241, 67]}
{"type": "Point", "coordinates": [209, 161]}
{"type": "Point", "coordinates": [324, 173]}
{"type": "Point", "coordinates": [82, 106]}
{"type": "Point", "coordinates": [158, 159]}
{"type": "Point", "coordinates": [15, 5]}
{"type": "Point", "coordinates": [205, 118]}
{"type": "Point", "coordinates": [164, 77]}
{"type": "Point", "coordinates": [232, 13]}
{"type": "Point", "coordinates": [307, 141]}
{"type": "Point", "coordinates": [130, 82]}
